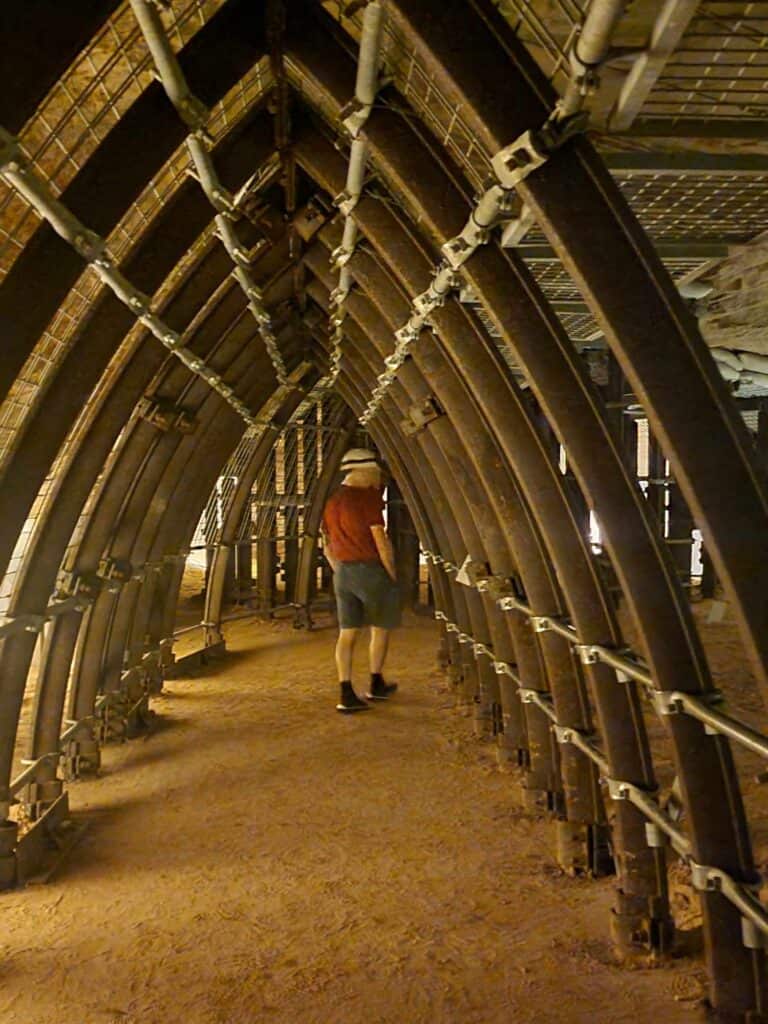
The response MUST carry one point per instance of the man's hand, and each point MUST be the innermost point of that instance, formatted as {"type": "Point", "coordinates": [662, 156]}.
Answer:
{"type": "Point", "coordinates": [328, 553]}
{"type": "Point", "coordinates": [384, 548]}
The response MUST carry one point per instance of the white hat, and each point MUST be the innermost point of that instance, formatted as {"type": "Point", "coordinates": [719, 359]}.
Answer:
{"type": "Point", "coordinates": [359, 458]}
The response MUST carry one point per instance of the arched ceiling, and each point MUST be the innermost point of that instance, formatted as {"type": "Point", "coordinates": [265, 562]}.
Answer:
{"type": "Point", "coordinates": [143, 336]}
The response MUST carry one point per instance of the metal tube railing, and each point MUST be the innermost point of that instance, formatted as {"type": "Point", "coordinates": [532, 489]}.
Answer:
{"type": "Point", "coordinates": [16, 171]}
{"type": "Point", "coordinates": [195, 115]}
{"type": "Point", "coordinates": [660, 828]}
{"type": "Point", "coordinates": [511, 165]}
{"type": "Point", "coordinates": [629, 666]}
{"type": "Point", "coordinates": [366, 87]}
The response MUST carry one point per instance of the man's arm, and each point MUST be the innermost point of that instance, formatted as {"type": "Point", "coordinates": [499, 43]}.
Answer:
{"type": "Point", "coordinates": [329, 557]}
{"type": "Point", "coordinates": [384, 548]}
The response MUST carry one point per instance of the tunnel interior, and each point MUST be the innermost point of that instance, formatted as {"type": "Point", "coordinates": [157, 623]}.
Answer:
{"type": "Point", "coordinates": [516, 248]}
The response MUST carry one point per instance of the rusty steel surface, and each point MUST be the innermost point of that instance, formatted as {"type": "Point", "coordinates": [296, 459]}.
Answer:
{"type": "Point", "coordinates": [480, 477]}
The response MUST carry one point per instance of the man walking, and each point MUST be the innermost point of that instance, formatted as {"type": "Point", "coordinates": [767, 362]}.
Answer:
{"type": "Point", "coordinates": [360, 554]}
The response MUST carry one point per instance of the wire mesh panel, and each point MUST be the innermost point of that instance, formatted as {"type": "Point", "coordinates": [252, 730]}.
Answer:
{"type": "Point", "coordinates": [720, 68]}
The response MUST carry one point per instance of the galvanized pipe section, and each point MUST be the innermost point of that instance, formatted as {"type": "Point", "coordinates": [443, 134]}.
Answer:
{"type": "Point", "coordinates": [705, 878]}
{"type": "Point", "coordinates": [591, 47]}
{"type": "Point", "coordinates": [366, 87]}
{"type": "Point", "coordinates": [17, 172]}
{"type": "Point", "coordinates": [195, 115]}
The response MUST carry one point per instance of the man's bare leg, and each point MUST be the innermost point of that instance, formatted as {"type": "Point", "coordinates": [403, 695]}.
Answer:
{"type": "Point", "coordinates": [377, 649]}
{"type": "Point", "coordinates": [377, 655]}
{"type": "Point", "coordinates": [345, 648]}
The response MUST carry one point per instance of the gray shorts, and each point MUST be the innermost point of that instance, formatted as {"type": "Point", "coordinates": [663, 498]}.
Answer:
{"type": "Point", "coordinates": [366, 595]}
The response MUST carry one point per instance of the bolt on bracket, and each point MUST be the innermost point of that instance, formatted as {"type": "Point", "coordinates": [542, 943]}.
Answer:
{"type": "Point", "coordinates": [588, 653]}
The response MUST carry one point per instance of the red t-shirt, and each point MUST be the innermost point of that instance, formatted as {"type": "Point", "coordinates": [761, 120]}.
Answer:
{"type": "Point", "coordinates": [349, 514]}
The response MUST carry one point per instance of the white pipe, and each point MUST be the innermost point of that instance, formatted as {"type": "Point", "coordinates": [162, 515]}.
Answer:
{"type": "Point", "coordinates": [753, 377]}
{"type": "Point", "coordinates": [366, 87]}
{"type": "Point", "coordinates": [367, 81]}
{"type": "Point", "coordinates": [594, 41]}
{"type": "Point", "coordinates": [358, 156]}
{"type": "Point", "coordinates": [590, 49]}
{"type": "Point", "coordinates": [192, 111]}
{"type": "Point", "coordinates": [754, 361]}
{"type": "Point", "coordinates": [727, 372]}
{"type": "Point", "coordinates": [728, 358]}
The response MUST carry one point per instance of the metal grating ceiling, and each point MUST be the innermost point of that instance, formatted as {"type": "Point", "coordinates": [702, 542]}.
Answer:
{"type": "Point", "coordinates": [720, 68]}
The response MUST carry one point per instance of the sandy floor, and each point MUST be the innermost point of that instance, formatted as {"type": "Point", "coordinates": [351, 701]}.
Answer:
{"type": "Point", "coordinates": [261, 858]}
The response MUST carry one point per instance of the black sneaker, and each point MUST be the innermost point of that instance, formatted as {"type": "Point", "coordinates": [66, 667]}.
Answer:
{"type": "Point", "coordinates": [381, 690]}
{"type": "Point", "coordinates": [350, 702]}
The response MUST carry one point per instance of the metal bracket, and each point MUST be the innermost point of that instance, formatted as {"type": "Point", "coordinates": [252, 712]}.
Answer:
{"type": "Point", "coordinates": [529, 151]}
{"type": "Point", "coordinates": [420, 415]}
{"type": "Point", "coordinates": [502, 668]}
{"type": "Point", "coordinates": [514, 162]}
{"type": "Point", "coordinates": [164, 415]}
{"type": "Point", "coordinates": [666, 702]}
{"type": "Point", "coordinates": [705, 878]}
{"type": "Point", "coordinates": [751, 935]}
{"type": "Point", "coordinates": [81, 585]}
{"type": "Point", "coordinates": [24, 623]}
{"type": "Point", "coordinates": [588, 653]}
{"type": "Point", "coordinates": [654, 836]}
{"type": "Point", "coordinates": [457, 251]}
{"type": "Point", "coordinates": [528, 696]}
{"type": "Point", "coordinates": [507, 604]}
{"type": "Point", "coordinates": [618, 789]}
{"type": "Point", "coordinates": [540, 624]}
{"type": "Point", "coordinates": [353, 116]}
{"type": "Point", "coordinates": [563, 734]}
{"type": "Point", "coordinates": [117, 569]}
